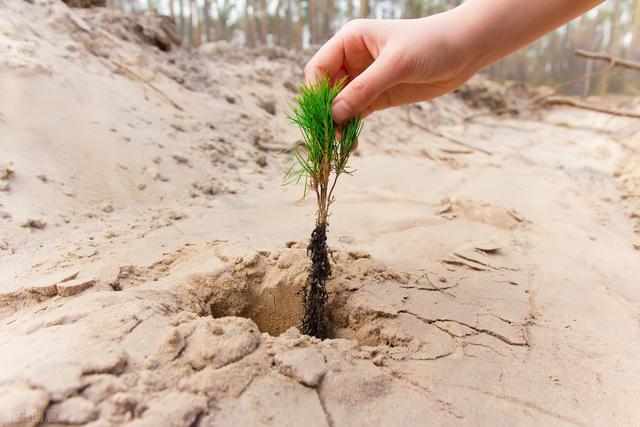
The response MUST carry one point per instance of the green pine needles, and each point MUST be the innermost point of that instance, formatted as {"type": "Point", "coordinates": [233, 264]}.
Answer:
{"type": "Point", "coordinates": [319, 161]}
{"type": "Point", "coordinates": [326, 145]}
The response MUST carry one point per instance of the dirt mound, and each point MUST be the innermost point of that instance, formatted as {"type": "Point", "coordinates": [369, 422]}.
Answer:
{"type": "Point", "coordinates": [169, 349]}
{"type": "Point", "coordinates": [152, 29]}
{"type": "Point", "coordinates": [173, 334]}
{"type": "Point", "coordinates": [85, 3]}
{"type": "Point", "coordinates": [482, 93]}
{"type": "Point", "coordinates": [267, 288]}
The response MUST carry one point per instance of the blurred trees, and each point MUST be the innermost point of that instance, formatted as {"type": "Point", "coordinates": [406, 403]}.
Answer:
{"type": "Point", "coordinates": [613, 27]}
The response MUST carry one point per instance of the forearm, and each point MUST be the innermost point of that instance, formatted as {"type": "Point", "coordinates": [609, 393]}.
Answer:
{"type": "Point", "coordinates": [492, 29]}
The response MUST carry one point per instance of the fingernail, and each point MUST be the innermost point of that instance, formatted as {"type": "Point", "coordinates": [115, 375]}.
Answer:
{"type": "Point", "coordinates": [340, 111]}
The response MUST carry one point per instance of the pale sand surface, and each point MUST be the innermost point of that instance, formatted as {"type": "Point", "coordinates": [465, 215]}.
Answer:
{"type": "Point", "coordinates": [469, 287]}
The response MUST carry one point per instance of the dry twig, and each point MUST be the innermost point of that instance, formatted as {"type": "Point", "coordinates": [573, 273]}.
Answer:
{"type": "Point", "coordinates": [563, 100]}
{"type": "Point", "coordinates": [146, 81]}
{"type": "Point", "coordinates": [619, 62]}
{"type": "Point", "coordinates": [447, 137]}
{"type": "Point", "coordinates": [553, 99]}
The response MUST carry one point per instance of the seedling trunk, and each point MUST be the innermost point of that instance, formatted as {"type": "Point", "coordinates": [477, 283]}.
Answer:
{"type": "Point", "coordinates": [320, 160]}
{"type": "Point", "coordinates": [315, 292]}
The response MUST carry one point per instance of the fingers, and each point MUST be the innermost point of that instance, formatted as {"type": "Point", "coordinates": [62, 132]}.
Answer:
{"type": "Point", "coordinates": [405, 93]}
{"type": "Point", "coordinates": [364, 89]}
{"type": "Point", "coordinates": [339, 75]}
{"type": "Point", "coordinates": [328, 59]}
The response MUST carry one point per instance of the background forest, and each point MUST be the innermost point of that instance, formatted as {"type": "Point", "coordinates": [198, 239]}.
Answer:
{"type": "Point", "coordinates": [614, 28]}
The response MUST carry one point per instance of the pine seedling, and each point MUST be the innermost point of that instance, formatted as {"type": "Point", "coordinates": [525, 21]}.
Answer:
{"type": "Point", "coordinates": [318, 162]}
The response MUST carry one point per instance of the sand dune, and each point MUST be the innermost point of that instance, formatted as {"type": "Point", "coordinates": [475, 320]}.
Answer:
{"type": "Point", "coordinates": [151, 262]}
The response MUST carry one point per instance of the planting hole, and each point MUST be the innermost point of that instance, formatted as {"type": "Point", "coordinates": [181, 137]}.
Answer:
{"type": "Point", "coordinates": [264, 287]}
{"type": "Point", "coordinates": [273, 310]}
{"type": "Point", "coordinates": [268, 288]}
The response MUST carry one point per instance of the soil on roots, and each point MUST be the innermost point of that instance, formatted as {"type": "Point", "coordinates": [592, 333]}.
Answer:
{"type": "Point", "coordinates": [315, 292]}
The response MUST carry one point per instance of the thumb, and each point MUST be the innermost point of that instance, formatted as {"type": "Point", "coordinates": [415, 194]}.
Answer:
{"type": "Point", "coordinates": [364, 89]}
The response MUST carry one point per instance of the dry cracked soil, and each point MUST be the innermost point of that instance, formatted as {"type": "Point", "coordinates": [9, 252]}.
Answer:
{"type": "Point", "coordinates": [485, 267]}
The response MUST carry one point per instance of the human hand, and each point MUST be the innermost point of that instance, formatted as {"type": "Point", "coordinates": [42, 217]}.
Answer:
{"type": "Point", "coordinates": [401, 61]}
{"type": "Point", "coordinates": [391, 62]}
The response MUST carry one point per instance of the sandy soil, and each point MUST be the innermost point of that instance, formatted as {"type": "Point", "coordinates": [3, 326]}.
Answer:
{"type": "Point", "coordinates": [151, 261]}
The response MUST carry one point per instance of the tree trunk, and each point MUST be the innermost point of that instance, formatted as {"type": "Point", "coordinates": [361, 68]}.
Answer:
{"type": "Point", "coordinates": [364, 8]}
{"type": "Point", "coordinates": [218, 22]}
{"type": "Point", "coordinates": [612, 45]}
{"type": "Point", "coordinates": [206, 16]}
{"type": "Point", "coordinates": [299, 25]}
{"type": "Point", "coordinates": [412, 9]}
{"type": "Point", "coordinates": [181, 24]}
{"type": "Point", "coordinates": [634, 47]}
{"type": "Point", "coordinates": [586, 88]}
{"type": "Point", "coordinates": [190, 23]}
{"type": "Point", "coordinates": [312, 16]}
{"type": "Point", "coordinates": [561, 68]}
{"type": "Point", "coordinates": [254, 22]}
{"type": "Point", "coordinates": [196, 24]}
{"type": "Point", "coordinates": [248, 24]}
{"type": "Point", "coordinates": [264, 21]}
{"type": "Point", "coordinates": [278, 25]}
{"type": "Point", "coordinates": [221, 20]}
{"type": "Point", "coordinates": [327, 24]}
{"type": "Point", "coordinates": [288, 25]}
{"type": "Point", "coordinates": [596, 40]}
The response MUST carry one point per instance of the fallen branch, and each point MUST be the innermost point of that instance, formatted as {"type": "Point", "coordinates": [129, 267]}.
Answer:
{"type": "Point", "coordinates": [563, 100]}
{"type": "Point", "coordinates": [605, 69]}
{"type": "Point", "coordinates": [145, 81]}
{"type": "Point", "coordinates": [620, 62]}
{"type": "Point", "coordinates": [80, 23]}
{"type": "Point", "coordinates": [447, 137]}
{"type": "Point", "coordinates": [498, 111]}
{"type": "Point", "coordinates": [552, 99]}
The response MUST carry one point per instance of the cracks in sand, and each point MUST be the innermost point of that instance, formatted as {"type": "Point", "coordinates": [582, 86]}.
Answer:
{"type": "Point", "coordinates": [507, 321]}
{"type": "Point", "coordinates": [423, 390]}
{"type": "Point", "coordinates": [476, 264]}
{"type": "Point", "coordinates": [135, 322]}
{"type": "Point", "coordinates": [432, 288]}
{"type": "Point", "coordinates": [324, 407]}
{"type": "Point", "coordinates": [523, 327]}
{"type": "Point", "coordinates": [224, 365]}
{"type": "Point", "coordinates": [481, 345]}
{"type": "Point", "coordinates": [439, 356]}
{"type": "Point", "coordinates": [532, 315]}
{"type": "Point", "coordinates": [475, 328]}
{"type": "Point", "coordinates": [67, 319]}
{"type": "Point", "coordinates": [526, 404]}
{"type": "Point", "coordinates": [180, 351]}
{"type": "Point", "coordinates": [254, 375]}
{"type": "Point", "coordinates": [442, 290]}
